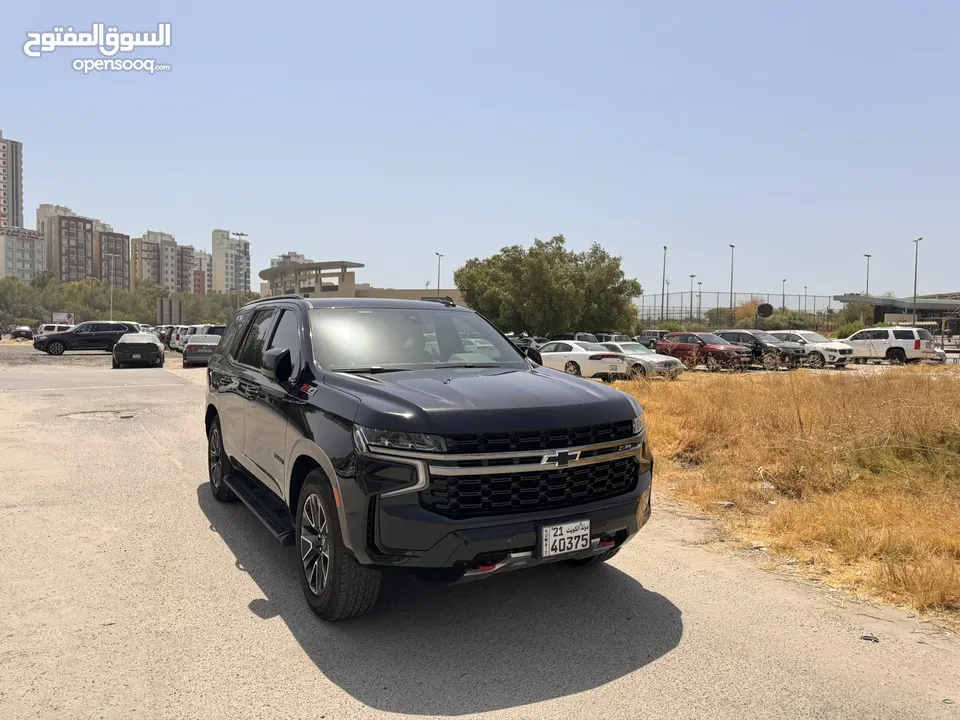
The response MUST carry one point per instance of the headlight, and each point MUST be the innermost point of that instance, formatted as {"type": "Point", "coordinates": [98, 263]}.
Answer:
{"type": "Point", "coordinates": [398, 440]}
{"type": "Point", "coordinates": [639, 424]}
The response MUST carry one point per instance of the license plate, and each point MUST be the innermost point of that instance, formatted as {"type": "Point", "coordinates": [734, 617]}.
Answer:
{"type": "Point", "coordinates": [136, 357]}
{"type": "Point", "coordinates": [567, 538]}
{"type": "Point", "coordinates": [206, 350]}
{"type": "Point", "coordinates": [614, 368]}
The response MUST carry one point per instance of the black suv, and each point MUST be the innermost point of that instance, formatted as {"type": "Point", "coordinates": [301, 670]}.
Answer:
{"type": "Point", "coordinates": [370, 435]}
{"type": "Point", "coordinates": [94, 335]}
{"type": "Point", "coordinates": [767, 350]}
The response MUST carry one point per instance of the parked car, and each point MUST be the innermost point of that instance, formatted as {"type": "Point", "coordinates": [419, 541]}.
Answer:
{"type": "Point", "coordinates": [211, 329]}
{"type": "Point", "coordinates": [818, 351]}
{"type": "Point", "coordinates": [650, 337]}
{"type": "Point", "coordinates": [583, 359]}
{"type": "Point", "coordinates": [22, 331]}
{"type": "Point", "coordinates": [535, 342]}
{"type": "Point", "coordinates": [894, 344]}
{"type": "Point", "coordinates": [333, 424]}
{"type": "Point", "coordinates": [48, 328]}
{"type": "Point", "coordinates": [644, 362]}
{"type": "Point", "coordinates": [766, 349]}
{"type": "Point", "coordinates": [141, 348]}
{"type": "Point", "coordinates": [199, 349]}
{"type": "Point", "coordinates": [179, 336]}
{"type": "Point", "coordinates": [578, 336]}
{"type": "Point", "coordinates": [94, 335]}
{"type": "Point", "coordinates": [941, 355]}
{"type": "Point", "coordinates": [607, 337]}
{"type": "Point", "coordinates": [702, 348]}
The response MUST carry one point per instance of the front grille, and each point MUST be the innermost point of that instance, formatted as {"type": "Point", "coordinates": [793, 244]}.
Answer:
{"type": "Point", "coordinates": [539, 439]}
{"type": "Point", "coordinates": [469, 496]}
{"type": "Point", "coordinates": [846, 351]}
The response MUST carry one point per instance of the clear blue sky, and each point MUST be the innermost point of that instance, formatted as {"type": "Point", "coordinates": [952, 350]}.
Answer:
{"type": "Point", "coordinates": [807, 133]}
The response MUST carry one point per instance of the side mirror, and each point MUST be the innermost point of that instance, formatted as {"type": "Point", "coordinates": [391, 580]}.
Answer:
{"type": "Point", "coordinates": [276, 365]}
{"type": "Point", "coordinates": [534, 355]}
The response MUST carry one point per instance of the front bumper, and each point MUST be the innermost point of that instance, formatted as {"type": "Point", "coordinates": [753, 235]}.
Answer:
{"type": "Point", "coordinates": [399, 532]}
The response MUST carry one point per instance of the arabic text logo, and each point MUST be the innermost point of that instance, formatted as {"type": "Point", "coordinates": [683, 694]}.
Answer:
{"type": "Point", "coordinates": [106, 39]}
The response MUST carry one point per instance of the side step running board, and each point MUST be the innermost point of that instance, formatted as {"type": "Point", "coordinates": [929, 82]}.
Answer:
{"type": "Point", "coordinates": [266, 506]}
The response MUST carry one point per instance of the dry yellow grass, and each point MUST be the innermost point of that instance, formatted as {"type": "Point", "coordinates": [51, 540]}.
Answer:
{"type": "Point", "coordinates": [854, 477]}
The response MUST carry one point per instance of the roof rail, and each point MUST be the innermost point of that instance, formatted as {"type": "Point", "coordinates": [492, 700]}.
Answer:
{"type": "Point", "coordinates": [445, 300]}
{"type": "Point", "coordinates": [274, 297]}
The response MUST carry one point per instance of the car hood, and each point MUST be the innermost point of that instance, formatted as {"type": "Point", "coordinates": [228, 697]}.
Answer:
{"type": "Point", "coordinates": [482, 400]}
{"type": "Point", "coordinates": [736, 348]}
{"type": "Point", "coordinates": [831, 346]}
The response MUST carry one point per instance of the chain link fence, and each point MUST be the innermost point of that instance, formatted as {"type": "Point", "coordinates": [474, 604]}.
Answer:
{"type": "Point", "coordinates": [713, 310]}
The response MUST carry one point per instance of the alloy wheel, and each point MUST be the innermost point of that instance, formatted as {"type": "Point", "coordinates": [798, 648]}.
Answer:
{"type": "Point", "coordinates": [216, 460]}
{"type": "Point", "coordinates": [314, 544]}
{"type": "Point", "coordinates": [571, 368]}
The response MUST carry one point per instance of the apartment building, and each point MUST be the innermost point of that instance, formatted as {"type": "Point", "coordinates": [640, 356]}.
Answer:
{"type": "Point", "coordinates": [11, 183]}
{"type": "Point", "coordinates": [231, 262]}
{"type": "Point", "coordinates": [205, 265]}
{"type": "Point", "coordinates": [144, 261]}
{"type": "Point", "coordinates": [289, 258]}
{"type": "Point", "coordinates": [156, 256]}
{"type": "Point", "coordinates": [111, 252]}
{"type": "Point", "coordinates": [22, 253]}
{"type": "Point", "coordinates": [69, 240]}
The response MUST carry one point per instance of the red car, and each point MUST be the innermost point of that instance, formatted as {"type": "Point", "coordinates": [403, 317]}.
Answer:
{"type": "Point", "coordinates": [702, 348]}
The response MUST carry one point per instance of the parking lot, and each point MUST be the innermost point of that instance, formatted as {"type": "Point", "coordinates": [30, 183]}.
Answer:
{"type": "Point", "coordinates": [128, 592]}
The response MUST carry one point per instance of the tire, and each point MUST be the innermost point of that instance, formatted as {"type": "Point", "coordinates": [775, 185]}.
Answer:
{"type": "Point", "coordinates": [116, 365]}
{"type": "Point", "coordinates": [185, 364]}
{"type": "Point", "coordinates": [771, 361]}
{"type": "Point", "coordinates": [571, 368]}
{"type": "Point", "coordinates": [817, 361]}
{"type": "Point", "coordinates": [160, 361]}
{"type": "Point", "coordinates": [342, 588]}
{"type": "Point", "coordinates": [638, 372]}
{"type": "Point", "coordinates": [896, 356]}
{"type": "Point", "coordinates": [56, 348]}
{"type": "Point", "coordinates": [594, 559]}
{"type": "Point", "coordinates": [712, 364]}
{"type": "Point", "coordinates": [218, 464]}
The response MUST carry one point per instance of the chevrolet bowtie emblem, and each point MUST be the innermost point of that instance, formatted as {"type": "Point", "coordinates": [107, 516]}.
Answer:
{"type": "Point", "coordinates": [560, 459]}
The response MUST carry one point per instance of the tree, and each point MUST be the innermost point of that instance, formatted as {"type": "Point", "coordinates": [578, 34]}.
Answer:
{"type": "Point", "coordinates": [548, 289]}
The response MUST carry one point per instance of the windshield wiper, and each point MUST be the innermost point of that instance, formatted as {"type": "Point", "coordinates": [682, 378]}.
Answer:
{"type": "Point", "coordinates": [466, 365]}
{"type": "Point", "coordinates": [369, 370]}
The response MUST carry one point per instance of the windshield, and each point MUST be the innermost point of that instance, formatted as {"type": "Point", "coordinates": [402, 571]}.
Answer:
{"type": "Point", "coordinates": [137, 338]}
{"type": "Point", "coordinates": [813, 337]}
{"type": "Point", "coordinates": [409, 339]}
{"type": "Point", "coordinates": [711, 339]}
{"type": "Point", "coordinates": [636, 348]}
{"type": "Point", "coordinates": [766, 337]}
{"type": "Point", "coordinates": [215, 330]}
{"type": "Point", "coordinates": [924, 335]}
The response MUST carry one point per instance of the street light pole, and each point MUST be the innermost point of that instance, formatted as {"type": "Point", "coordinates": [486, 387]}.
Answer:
{"type": "Point", "coordinates": [438, 272]}
{"type": "Point", "coordinates": [804, 299]}
{"type": "Point", "coordinates": [691, 294]}
{"type": "Point", "coordinates": [110, 280]}
{"type": "Point", "coordinates": [783, 294]}
{"type": "Point", "coordinates": [733, 315]}
{"type": "Point", "coordinates": [916, 260]}
{"type": "Point", "coordinates": [663, 283]}
{"type": "Point", "coordinates": [867, 291]}
{"type": "Point", "coordinates": [699, 299]}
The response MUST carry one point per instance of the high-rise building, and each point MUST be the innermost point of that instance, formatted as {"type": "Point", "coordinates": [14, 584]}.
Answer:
{"type": "Point", "coordinates": [231, 262]}
{"type": "Point", "coordinates": [11, 183]}
{"type": "Point", "coordinates": [111, 252]}
{"type": "Point", "coordinates": [156, 256]}
{"type": "Point", "coordinates": [144, 261]}
{"type": "Point", "coordinates": [289, 258]}
{"type": "Point", "coordinates": [205, 265]}
{"type": "Point", "coordinates": [186, 264]}
{"type": "Point", "coordinates": [22, 253]}
{"type": "Point", "coordinates": [70, 242]}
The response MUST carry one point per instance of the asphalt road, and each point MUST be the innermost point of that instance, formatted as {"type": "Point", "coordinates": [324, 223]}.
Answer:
{"type": "Point", "coordinates": [126, 591]}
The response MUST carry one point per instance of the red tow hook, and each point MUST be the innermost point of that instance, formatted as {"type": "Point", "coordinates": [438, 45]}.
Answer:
{"type": "Point", "coordinates": [486, 566]}
{"type": "Point", "coordinates": [606, 543]}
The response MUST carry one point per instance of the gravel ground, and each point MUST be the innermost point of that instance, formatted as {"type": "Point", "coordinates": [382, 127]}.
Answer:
{"type": "Point", "coordinates": [128, 592]}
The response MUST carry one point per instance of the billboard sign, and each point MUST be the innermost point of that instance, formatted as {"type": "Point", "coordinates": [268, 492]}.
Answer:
{"type": "Point", "coordinates": [63, 318]}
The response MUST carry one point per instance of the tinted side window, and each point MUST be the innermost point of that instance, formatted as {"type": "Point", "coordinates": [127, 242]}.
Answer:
{"type": "Point", "coordinates": [881, 335]}
{"type": "Point", "coordinates": [563, 347]}
{"type": "Point", "coordinates": [903, 334]}
{"type": "Point", "coordinates": [287, 335]}
{"type": "Point", "coordinates": [256, 340]}
{"type": "Point", "coordinates": [233, 329]}
{"type": "Point", "coordinates": [549, 348]}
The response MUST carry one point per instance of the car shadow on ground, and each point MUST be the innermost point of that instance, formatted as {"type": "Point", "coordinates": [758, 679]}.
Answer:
{"type": "Point", "coordinates": [520, 638]}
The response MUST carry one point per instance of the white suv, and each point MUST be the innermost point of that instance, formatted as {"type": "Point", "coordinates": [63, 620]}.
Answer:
{"type": "Point", "coordinates": [818, 351]}
{"type": "Point", "coordinates": [896, 344]}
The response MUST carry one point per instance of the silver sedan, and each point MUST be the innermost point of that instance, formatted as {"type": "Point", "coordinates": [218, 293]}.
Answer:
{"type": "Point", "coordinates": [644, 362]}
